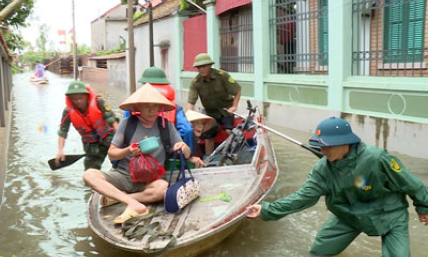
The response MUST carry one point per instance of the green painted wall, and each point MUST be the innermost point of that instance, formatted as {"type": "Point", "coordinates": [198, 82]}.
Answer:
{"type": "Point", "coordinates": [402, 98]}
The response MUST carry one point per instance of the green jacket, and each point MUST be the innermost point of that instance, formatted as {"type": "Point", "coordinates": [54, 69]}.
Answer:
{"type": "Point", "coordinates": [367, 190]}
{"type": "Point", "coordinates": [216, 94]}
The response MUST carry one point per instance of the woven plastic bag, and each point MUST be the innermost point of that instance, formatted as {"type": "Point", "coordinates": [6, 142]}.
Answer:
{"type": "Point", "coordinates": [145, 168]}
{"type": "Point", "coordinates": [183, 191]}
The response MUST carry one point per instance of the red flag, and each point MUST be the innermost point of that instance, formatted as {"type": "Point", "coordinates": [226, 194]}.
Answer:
{"type": "Point", "coordinates": [61, 32]}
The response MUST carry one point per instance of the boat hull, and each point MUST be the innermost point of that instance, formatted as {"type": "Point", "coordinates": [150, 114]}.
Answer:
{"type": "Point", "coordinates": [206, 221]}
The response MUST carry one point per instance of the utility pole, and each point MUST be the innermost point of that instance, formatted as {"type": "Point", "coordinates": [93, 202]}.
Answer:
{"type": "Point", "coordinates": [74, 46]}
{"type": "Point", "coordinates": [152, 58]}
{"type": "Point", "coordinates": [131, 47]}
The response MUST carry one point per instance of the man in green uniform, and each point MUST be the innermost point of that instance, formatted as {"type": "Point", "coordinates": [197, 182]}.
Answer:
{"type": "Point", "coordinates": [364, 187]}
{"type": "Point", "coordinates": [94, 121]}
{"type": "Point", "coordinates": [217, 91]}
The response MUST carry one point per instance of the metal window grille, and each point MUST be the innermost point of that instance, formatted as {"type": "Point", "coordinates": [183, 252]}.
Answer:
{"type": "Point", "coordinates": [236, 35]}
{"type": "Point", "coordinates": [389, 38]}
{"type": "Point", "coordinates": [299, 36]}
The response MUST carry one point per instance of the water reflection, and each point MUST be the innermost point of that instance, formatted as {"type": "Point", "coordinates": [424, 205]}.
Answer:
{"type": "Point", "coordinates": [44, 211]}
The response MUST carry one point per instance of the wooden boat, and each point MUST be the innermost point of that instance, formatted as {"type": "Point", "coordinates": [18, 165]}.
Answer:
{"type": "Point", "coordinates": [39, 80]}
{"type": "Point", "coordinates": [207, 220]}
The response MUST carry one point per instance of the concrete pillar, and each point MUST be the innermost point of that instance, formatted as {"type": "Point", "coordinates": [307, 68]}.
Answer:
{"type": "Point", "coordinates": [213, 34]}
{"type": "Point", "coordinates": [261, 46]}
{"type": "Point", "coordinates": [339, 50]}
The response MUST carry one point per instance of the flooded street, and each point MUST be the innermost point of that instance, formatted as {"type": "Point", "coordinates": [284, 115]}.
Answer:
{"type": "Point", "coordinates": [44, 211]}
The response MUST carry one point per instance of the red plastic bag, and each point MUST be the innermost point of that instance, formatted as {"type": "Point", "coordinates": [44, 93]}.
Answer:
{"type": "Point", "coordinates": [145, 168]}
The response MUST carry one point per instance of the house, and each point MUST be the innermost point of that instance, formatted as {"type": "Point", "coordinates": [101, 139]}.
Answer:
{"type": "Point", "coordinates": [108, 30]}
{"type": "Point", "coordinates": [302, 61]}
{"type": "Point", "coordinates": [166, 39]}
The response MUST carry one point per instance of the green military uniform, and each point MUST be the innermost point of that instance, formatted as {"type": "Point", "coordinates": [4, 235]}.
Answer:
{"type": "Point", "coordinates": [95, 152]}
{"type": "Point", "coordinates": [366, 192]}
{"type": "Point", "coordinates": [216, 94]}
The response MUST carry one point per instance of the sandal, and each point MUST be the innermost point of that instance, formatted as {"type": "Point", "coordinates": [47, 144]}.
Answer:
{"type": "Point", "coordinates": [107, 201]}
{"type": "Point", "coordinates": [128, 214]}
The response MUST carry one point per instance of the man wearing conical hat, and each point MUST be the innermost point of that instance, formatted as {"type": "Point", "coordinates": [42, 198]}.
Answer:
{"type": "Point", "coordinates": [117, 185]}
{"type": "Point", "coordinates": [201, 123]}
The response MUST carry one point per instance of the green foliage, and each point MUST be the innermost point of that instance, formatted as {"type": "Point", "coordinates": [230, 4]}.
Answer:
{"type": "Point", "coordinates": [116, 50]}
{"type": "Point", "coordinates": [14, 41]}
{"type": "Point", "coordinates": [19, 15]}
{"type": "Point", "coordinates": [16, 19]}
{"type": "Point", "coordinates": [185, 6]}
{"type": "Point", "coordinates": [137, 15]}
{"type": "Point", "coordinates": [83, 49]}
{"type": "Point", "coordinates": [42, 40]}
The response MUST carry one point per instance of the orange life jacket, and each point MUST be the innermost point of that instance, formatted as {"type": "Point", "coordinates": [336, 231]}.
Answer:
{"type": "Point", "coordinates": [91, 125]}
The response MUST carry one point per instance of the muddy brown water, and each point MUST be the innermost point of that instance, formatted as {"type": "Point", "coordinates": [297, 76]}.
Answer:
{"type": "Point", "coordinates": [44, 212]}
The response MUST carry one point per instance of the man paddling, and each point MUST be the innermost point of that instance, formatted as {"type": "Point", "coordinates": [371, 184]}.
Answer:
{"type": "Point", "coordinates": [364, 187]}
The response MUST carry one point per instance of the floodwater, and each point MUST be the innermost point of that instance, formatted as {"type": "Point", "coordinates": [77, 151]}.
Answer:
{"type": "Point", "coordinates": [44, 212]}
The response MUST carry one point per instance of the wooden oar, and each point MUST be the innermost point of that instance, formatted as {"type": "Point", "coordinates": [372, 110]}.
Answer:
{"type": "Point", "coordinates": [69, 159]}
{"type": "Point", "coordinates": [313, 150]}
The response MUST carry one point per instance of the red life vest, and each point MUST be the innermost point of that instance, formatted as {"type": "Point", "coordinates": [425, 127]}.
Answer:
{"type": "Point", "coordinates": [91, 125]}
{"type": "Point", "coordinates": [170, 115]}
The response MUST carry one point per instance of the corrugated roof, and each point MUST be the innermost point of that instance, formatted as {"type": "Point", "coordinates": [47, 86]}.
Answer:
{"type": "Point", "coordinates": [110, 56]}
{"type": "Point", "coordinates": [160, 11]}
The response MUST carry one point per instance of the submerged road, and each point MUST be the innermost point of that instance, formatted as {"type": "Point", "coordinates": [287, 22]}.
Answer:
{"type": "Point", "coordinates": [44, 211]}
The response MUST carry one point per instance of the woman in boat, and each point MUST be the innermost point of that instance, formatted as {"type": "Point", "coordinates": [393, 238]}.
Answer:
{"type": "Point", "coordinates": [117, 185]}
{"type": "Point", "coordinates": [201, 123]}
{"type": "Point", "coordinates": [364, 187]}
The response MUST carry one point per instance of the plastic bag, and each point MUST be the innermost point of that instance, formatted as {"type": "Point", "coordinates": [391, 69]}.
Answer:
{"type": "Point", "coordinates": [145, 168]}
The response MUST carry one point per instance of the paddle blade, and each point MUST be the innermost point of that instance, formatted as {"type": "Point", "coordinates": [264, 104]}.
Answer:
{"type": "Point", "coordinates": [69, 159]}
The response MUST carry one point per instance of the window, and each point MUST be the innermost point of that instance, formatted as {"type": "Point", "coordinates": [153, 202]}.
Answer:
{"type": "Point", "coordinates": [236, 35]}
{"type": "Point", "coordinates": [323, 33]}
{"type": "Point", "coordinates": [299, 33]}
{"type": "Point", "coordinates": [404, 25]}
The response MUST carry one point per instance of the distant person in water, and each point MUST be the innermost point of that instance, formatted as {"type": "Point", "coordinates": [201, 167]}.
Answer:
{"type": "Point", "coordinates": [39, 70]}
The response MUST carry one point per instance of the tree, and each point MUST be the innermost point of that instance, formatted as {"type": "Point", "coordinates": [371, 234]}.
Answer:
{"type": "Point", "coordinates": [42, 40]}
{"type": "Point", "coordinates": [16, 18]}
{"type": "Point", "coordinates": [19, 14]}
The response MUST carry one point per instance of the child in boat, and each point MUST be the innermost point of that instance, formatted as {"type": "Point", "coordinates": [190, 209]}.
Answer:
{"type": "Point", "coordinates": [201, 123]}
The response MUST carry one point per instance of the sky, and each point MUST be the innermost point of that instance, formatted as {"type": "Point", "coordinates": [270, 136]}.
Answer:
{"type": "Point", "coordinates": [57, 15]}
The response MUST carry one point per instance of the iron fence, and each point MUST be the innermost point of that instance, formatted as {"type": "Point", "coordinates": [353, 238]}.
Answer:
{"type": "Point", "coordinates": [299, 36]}
{"type": "Point", "coordinates": [236, 35]}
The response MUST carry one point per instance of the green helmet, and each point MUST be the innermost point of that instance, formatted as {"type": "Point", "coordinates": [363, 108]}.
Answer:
{"type": "Point", "coordinates": [154, 75]}
{"type": "Point", "coordinates": [202, 59]}
{"type": "Point", "coordinates": [76, 87]}
{"type": "Point", "coordinates": [333, 132]}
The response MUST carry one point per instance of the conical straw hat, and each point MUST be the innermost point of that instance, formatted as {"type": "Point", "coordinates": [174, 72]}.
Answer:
{"type": "Point", "coordinates": [209, 122]}
{"type": "Point", "coordinates": [146, 94]}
